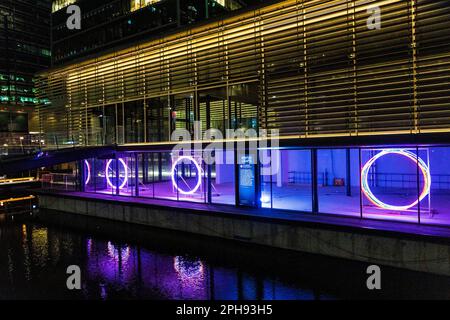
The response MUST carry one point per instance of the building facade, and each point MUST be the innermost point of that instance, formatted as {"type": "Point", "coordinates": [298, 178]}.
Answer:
{"type": "Point", "coordinates": [107, 24]}
{"type": "Point", "coordinates": [307, 68]}
{"type": "Point", "coordinates": [24, 50]}
{"type": "Point", "coordinates": [319, 72]}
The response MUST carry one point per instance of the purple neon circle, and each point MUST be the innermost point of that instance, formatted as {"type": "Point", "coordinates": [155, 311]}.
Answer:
{"type": "Point", "coordinates": [108, 180]}
{"type": "Point", "coordinates": [88, 177]}
{"type": "Point", "coordinates": [199, 179]}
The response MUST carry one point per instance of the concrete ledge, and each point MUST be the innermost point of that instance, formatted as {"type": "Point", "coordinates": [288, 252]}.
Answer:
{"type": "Point", "coordinates": [413, 252]}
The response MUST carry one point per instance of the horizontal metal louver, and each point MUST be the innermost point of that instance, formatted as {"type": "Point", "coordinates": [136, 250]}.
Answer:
{"type": "Point", "coordinates": [319, 70]}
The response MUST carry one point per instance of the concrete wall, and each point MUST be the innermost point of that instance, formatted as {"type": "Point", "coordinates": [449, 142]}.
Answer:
{"type": "Point", "coordinates": [417, 255]}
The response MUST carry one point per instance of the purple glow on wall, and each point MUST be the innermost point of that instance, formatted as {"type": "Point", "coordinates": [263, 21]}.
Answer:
{"type": "Point", "coordinates": [174, 174]}
{"type": "Point", "coordinates": [108, 168]}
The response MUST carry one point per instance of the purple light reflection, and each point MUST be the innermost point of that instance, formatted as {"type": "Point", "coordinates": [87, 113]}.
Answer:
{"type": "Point", "coordinates": [114, 252]}
{"type": "Point", "coordinates": [189, 271]}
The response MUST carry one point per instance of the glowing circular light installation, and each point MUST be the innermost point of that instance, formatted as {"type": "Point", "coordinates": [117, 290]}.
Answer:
{"type": "Point", "coordinates": [88, 173]}
{"type": "Point", "coordinates": [108, 168]}
{"type": "Point", "coordinates": [199, 178]}
{"type": "Point", "coordinates": [418, 161]}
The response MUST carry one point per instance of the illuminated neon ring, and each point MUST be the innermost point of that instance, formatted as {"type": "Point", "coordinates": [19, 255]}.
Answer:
{"type": "Point", "coordinates": [199, 178]}
{"type": "Point", "coordinates": [88, 176]}
{"type": "Point", "coordinates": [108, 167]}
{"type": "Point", "coordinates": [418, 161]}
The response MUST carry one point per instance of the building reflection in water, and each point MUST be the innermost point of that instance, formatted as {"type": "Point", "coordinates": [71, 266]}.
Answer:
{"type": "Point", "coordinates": [33, 262]}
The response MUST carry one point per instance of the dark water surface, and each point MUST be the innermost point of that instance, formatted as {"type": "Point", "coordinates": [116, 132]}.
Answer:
{"type": "Point", "coordinates": [121, 261]}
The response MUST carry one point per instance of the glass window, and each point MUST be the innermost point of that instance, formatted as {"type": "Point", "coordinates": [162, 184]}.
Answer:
{"type": "Point", "coordinates": [223, 178]}
{"type": "Point", "coordinates": [134, 125]}
{"type": "Point", "coordinates": [139, 4]}
{"type": "Point", "coordinates": [389, 183]}
{"type": "Point", "coordinates": [188, 177]}
{"type": "Point", "coordinates": [127, 174]}
{"type": "Point", "coordinates": [435, 208]}
{"type": "Point", "coordinates": [338, 181]}
{"type": "Point", "coordinates": [290, 181]}
{"type": "Point", "coordinates": [163, 186]}
{"type": "Point", "coordinates": [103, 184]}
{"type": "Point", "coordinates": [147, 174]}
{"type": "Point", "coordinates": [157, 113]}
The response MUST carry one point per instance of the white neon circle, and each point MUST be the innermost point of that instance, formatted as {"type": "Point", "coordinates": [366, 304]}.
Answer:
{"type": "Point", "coordinates": [199, 178]}
{"type": "Point", "coordinates": [88, 166]}
{"type": "Point", "coordinates": [125, 180]}
{"type": "Point", "coordinates": [418, 161]}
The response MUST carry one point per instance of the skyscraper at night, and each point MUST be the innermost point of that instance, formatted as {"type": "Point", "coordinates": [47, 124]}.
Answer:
{"type": "Point", "coordinates": [24, 50]}
{"type": "Point", "coordinates": [107, 24]}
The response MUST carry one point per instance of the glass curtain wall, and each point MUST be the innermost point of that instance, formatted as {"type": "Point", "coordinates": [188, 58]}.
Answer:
{"type": "Point", "coordinates": [399, 184]}
{"type": "Point", "coordinates": [338, 181]}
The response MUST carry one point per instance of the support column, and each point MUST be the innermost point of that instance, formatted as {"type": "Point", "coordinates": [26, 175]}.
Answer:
{"type": "Point", "coordinates": [116, 168]}
{"type": "Point", "coordinates": [209, 166]}
{"type": "Point", "coordinates": [348, 179]}
{"type": "Point", "coordinates": [81, 175]}
{"type": "Point", "coordinates": [236, 176]}
{"type": "Point", "coordinates": [136, 174]}
{"type": "Point", "coordinates": [314, 182]}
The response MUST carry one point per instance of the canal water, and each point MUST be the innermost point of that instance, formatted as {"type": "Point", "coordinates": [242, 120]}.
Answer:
{"type": "Point", "coordinates": [121, 261]}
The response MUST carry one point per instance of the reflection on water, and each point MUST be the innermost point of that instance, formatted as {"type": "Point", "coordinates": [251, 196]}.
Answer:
{"type": "Point", "coordinates": [34, 257]}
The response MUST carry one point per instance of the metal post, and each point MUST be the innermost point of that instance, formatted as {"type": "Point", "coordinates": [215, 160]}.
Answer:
{"type": "Point", "coordinates": [360, 193]}
{"type": "Point", "coordinates": [314, 184]}
{"type": "Point", "coordinates": [81, 175]}
{"type": "Point", "coordinates": [206, 9]}
{"type": "Point", "coordinates": [209, 166]}
{"type": "Point", "coordinates": [136, 174]}
{"type": "Point", "coordinates": [178, 13]}
{"type": "Point", "coordinates": [257, 181]}
{"type": "Point", "coordinates": [209, 183]}
{"type": "Point", "coordinates": [21, 145]}
{"type": "Point", "coordinates": [236, 176]}
{"type": "Point", "coordinates": [116, 168]}
{"type": "Point", "coordinates": [348, 180]}
{"type": "Point", "coordinates": [145, 168]}
{"type": "Point", "coordinates": [418, 185]}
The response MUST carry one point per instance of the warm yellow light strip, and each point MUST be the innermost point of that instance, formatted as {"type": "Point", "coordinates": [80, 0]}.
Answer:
{"type": "Point", "coordinates": [229, 35]}
{"type": "Point", "coordinates": [3, 202]}
{"type": "Point", "coordinates": [16, 180]}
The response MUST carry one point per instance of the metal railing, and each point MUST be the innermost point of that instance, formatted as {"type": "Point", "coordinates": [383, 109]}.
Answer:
{"type": "Point", "coordinates": [59, 181]}
{"type": "Point", "coordinates": [19, 205]}
{"type": "Point", "coordinates": [16, 144]}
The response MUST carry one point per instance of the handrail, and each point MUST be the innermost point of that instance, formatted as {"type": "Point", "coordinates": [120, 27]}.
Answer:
{"type": "Point", "coordinates": [11, 200]}
{"type": "Point", "coordinates": [17, 180]}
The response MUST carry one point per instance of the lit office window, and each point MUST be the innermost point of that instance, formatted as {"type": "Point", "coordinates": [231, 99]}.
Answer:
{"type": "Point", "coordinates": [229, 4]}
{"type": "Point", "coordinates": [60, 4]}
{"type": "Point", "coordinates": [139, 4]}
